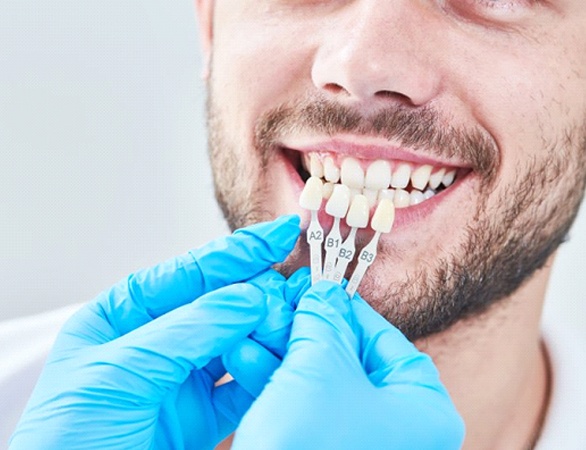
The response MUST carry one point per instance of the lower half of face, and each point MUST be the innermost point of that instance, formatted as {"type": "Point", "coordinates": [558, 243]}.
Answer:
{"type": "Point", "coordinates": [450, 255]}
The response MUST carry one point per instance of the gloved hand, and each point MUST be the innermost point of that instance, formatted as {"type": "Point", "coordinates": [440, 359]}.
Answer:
{"type": "Point", "coordinates": [349, 380]}
{"type": "Point", "coordinates": [135, 369]}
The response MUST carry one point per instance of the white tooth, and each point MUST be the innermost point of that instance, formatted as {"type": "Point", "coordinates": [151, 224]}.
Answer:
{"type": "Point", "coordinates": [386, 193]}
{"type": "Point", "coordinates": [378, 175]}
{"type": "Point", "coordinates": [357, 216]}
{"type": "Point", "coordinates": [416, 197]}
{"type": "Point", "coordinates": [428, 194]}
{"type": "Point", "coordinates": [338, 204]}
{"type": "Point", "coordinates": [316, 168]}
{"type": "Point", "coordinates": [436, 178]}
{"type": "Point", "coordinates": [306, 161]}
{"type": "Point", "coordinates": [401, 199]}
{"type": "Point", "coordinates": [448, 178]}
{"type": "Point", "coordinates": [371, 196]}
{"type": "Point", "coordinates": [327, 190]}
{"type": "Point", "coordinates": [401, 175]}
{"type": "Point", "coordinates": [352, 174]}
{"type": "Point", "coordinates": [420, 177]}
{"type": "Point", "coordinates": [311, 196]}
{"type": "Point", "coordinates": [384, 216]}
{"type": "Point", "coordinates": [354, 192]}
{"type": "Point", "coordinates": [331, 171]}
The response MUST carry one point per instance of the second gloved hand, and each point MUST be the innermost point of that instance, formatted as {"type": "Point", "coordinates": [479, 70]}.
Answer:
{"type": "Point", "coordinates": [349, 380]}
{"type": "Point", "coordinates": [135, 368]}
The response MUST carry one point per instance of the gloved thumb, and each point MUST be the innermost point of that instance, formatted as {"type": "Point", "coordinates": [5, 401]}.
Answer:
{"type": "Point", "coordinates": [321, 339]}
{"type": "Point", "coordinates": [322, 333]}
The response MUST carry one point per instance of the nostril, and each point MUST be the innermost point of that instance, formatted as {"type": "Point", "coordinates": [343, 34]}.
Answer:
{"type": "Point", "coordinates": [390, 95]}
{"type": "Point", "coordinates": [334, 88]}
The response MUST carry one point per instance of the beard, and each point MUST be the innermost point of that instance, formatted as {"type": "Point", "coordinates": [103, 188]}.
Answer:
{"type": "Point", "coordinates": [502, 245]}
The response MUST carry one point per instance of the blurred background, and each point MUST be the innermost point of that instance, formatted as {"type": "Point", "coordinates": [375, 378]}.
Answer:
{"type": "Point", "coordinates": [103, 168]}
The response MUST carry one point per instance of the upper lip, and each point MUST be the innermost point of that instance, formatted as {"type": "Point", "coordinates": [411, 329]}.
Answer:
{"type": "Point", "coordinates": [371, 149]}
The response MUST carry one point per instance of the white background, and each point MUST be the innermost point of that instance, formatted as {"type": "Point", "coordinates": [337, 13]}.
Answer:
{"type": "Point", "coordinates": [103, 167]}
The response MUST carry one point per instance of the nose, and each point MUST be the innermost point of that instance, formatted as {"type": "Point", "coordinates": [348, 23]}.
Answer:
{"type": "Point", "coordinates": [378, 50]}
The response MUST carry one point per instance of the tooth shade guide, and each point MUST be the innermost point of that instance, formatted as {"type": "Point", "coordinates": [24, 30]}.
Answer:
{"type": "Point", "coordinates": [345, 255]}
{"type": "Point", "coordinates": [315, 238]}
{"type": "Point", "coordinates": [311, 199]}
{"type": "Point", "coordinates": [337, 207]}
{"type": "Point", "coordinates": [332, 244]}
{"type": "Point", "coordinates": [366, 257]}
{"type": "Point", "coordinates": [357, 217]}
{"type": "Point", "coordinates": [312, 194]}
{"type": "Point", "coordinates": [382, 222]}
{"type": "Point", "coordinates": [383, 217]}
{"type": "Point", "coordinates": [358, 213]}
{"type": "Point", "coordinates": [339, 202]}
{"type": "Point", "coordinates": [418, 188]}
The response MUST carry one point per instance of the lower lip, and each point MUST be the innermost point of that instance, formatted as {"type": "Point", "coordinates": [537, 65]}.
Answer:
{"type": "Point", "coordinates": [404, 217]}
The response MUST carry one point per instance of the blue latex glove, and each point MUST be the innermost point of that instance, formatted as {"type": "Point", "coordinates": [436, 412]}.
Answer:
{"type": "Point", "coordinates": [349, 380]}
{"type": "Point", "coordinates": [135, 369]}
{"type": "Point", "coordinates": [253, 360]}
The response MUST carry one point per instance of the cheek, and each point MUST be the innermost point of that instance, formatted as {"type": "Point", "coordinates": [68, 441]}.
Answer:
{"type": "Point", "coordinates": [527, 99]}
{"type": "Point", "coordinates": [257, 66]}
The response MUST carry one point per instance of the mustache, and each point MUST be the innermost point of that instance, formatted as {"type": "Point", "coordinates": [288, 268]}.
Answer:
{"type": "Point", "coordinates": [412, 127]}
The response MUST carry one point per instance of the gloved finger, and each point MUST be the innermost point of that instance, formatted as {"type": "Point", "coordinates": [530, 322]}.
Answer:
{"type": "Point", "coordinates": [297, 285]}
{"type": "Point", "coordinates": [387, 355]}
{"type": "Point", "coordinates": [322, 334]}
{"type": "Point", "coordinates": [273, 332]}
{"type": "Point", "coordinates": [283, 296]}
{"type": "Point", "coordinates": [158, 290]}
{"type": "Point", "coordinates": [251, 365]}
{"type": "Point", "coordinates": [154, 358]}
{"type": "Point", "coordinates": [230, 402]}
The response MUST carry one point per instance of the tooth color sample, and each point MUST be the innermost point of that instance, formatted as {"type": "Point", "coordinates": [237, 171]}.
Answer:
{"type": "Point", "coordinates": [384, 216]}
{"type": "Point", "coordinates": [312, 194]}
{"type": "Point", "coordinates": [338, 204]}
{"type": "Point", "coordinates": [358, 213]}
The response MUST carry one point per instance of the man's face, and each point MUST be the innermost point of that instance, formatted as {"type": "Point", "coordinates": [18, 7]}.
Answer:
{"type": "Point", "coordinates": [495, 90]}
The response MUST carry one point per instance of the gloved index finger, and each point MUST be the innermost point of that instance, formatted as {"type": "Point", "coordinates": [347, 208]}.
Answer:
{"type": "Point", "coordinates": [153, 292]}
{"type": "Point", "coordinates": [231, 259]}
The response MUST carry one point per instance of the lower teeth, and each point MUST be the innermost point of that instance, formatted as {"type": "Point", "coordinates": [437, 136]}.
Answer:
{"type": "Point", "coordinates": [402, 198]}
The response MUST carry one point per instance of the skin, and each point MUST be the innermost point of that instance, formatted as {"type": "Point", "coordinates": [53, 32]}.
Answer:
{"type": "Point", "coordinates": [510, 75]}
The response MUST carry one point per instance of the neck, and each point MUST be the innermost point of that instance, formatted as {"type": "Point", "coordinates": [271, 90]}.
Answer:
{"type": "Point", "coordinates": [496, 370]}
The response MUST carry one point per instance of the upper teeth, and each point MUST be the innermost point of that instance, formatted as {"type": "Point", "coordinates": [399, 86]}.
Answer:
{"type": "Point", "coordinates": [405, 183]}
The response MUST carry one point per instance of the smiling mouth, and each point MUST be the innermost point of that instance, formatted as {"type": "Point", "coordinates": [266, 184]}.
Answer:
{"type": "Point", "coordinates": [405, 183]}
